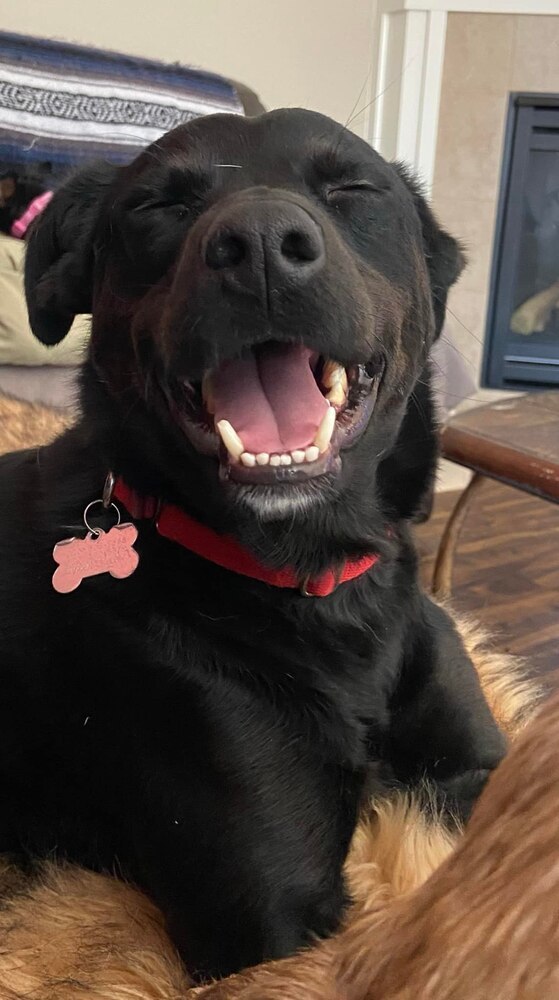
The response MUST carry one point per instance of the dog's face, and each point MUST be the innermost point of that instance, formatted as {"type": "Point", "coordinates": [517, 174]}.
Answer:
{"type": "Point", "coordinates": [264, 292]}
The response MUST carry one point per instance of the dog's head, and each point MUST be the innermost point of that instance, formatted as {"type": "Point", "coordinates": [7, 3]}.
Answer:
{"type": "Point", "coordinates": [264, 296]}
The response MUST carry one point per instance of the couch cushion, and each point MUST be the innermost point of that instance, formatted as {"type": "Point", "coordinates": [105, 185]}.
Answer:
{"type": "Point", "coordinates": [18, 346]}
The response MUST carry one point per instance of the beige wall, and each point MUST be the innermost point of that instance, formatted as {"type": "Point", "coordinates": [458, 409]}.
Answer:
{"type": "Point", "coordinates": [312, 53]}
{"type": "Point", "coordinates": [486, 57]}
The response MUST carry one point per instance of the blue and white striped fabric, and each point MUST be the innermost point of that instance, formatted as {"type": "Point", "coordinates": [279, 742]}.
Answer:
{"type": "Point", "coordinates": [64, 104]}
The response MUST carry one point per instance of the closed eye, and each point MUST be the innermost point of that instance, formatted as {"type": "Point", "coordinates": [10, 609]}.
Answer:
{"type": "Point", "coordinates": [357, 186]}
{"type": "Point", "coordinates": [146, 206]}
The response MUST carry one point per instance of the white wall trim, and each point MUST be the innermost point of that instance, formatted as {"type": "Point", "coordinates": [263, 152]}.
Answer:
{"type": "Point", "coordinates": [479, 7]}
{"type": "Point", "coordinates": [408, 60]}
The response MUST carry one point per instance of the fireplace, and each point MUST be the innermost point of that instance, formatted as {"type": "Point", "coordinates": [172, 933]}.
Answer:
{"type": "Point", "coordinates": [522, 333]}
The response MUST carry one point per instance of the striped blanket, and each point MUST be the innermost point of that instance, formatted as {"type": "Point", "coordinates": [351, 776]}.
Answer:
{"type": "Point", "coordinates": [61, 104]}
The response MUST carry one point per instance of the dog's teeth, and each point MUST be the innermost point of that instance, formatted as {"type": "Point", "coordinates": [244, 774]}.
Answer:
{"type": "Point", "coordinates": [334, 374]}
{"type": "Point", "coordinates": [298, 456]}
{"type": "Point", "coordinates": [247, 458]}
{"type": "Point", "coordinates": [208, 392]}
{"type": "Point", "coordinates": [324, 433]}
{"type": "Point", "coordinates": [337, 395]}
{"type": "Point", "coordinates": [231, 439]}
{"type": "Point", "coordinates": [263, 458]}
{"type": "Point", "coordinates": [312, 453]}
{"type": "Point", "coordinates": [275, 459]}
{"type": "Point", "coordinates": [285, 459]}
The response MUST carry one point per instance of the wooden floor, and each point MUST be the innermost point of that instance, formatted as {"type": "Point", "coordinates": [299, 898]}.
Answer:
{"type": "Point", "coordinates": [506, 570]}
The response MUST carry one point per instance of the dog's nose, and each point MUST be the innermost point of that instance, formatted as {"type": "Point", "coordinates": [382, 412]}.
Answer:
{"type": "Point", "coordinates": [265, 244]}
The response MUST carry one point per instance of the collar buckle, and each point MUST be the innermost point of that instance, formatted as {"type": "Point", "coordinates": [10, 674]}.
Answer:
{"type": "Point", "coordinates": [305, 583]}
{"type": "Point", "coordinates": [303, 588]}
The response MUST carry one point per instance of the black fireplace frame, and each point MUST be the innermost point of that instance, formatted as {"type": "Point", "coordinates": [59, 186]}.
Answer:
{"type": "Point", "coordinates": [526, 112]}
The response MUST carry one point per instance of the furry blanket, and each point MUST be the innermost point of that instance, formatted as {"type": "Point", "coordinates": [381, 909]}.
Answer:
{"type": "Point", "coordinates": [68, 934]}
{"type": "Point", "coordinates": [27, 425]}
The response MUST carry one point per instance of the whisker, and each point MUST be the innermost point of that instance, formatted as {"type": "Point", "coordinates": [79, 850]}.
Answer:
{"type": "Point", "coordinates": [466, 360]}
{"type": "Point", "coordinates": [426, 423]}
{"type": "Point", "coordinates": [463, 325]}
{"type": "Point", "coordinates": [359, 96]}
{"type": "Point", "coordinates": [381, 93]}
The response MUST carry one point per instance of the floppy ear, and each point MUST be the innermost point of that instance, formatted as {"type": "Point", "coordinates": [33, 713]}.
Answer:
{"type": "Point", "coordinates": [445, 256]}
{"type": "Point", "coordinates": [406, 476]}
{"type": "Point", "coordinates": [60, 256]}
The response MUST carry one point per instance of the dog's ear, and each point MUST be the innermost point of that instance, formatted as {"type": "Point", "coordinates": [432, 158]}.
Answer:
{"type": "Point", "coordinates": [445, 257]}
{"type": "Point", "coordinates": [60, 255]}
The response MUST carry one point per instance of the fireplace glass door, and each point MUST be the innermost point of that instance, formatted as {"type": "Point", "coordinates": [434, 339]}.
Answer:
{"type": "Point", "coordinates": [522, 339]}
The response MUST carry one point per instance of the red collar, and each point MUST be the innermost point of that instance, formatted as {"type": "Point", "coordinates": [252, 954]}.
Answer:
{"type": "Point", "coordinates": [173, 523]}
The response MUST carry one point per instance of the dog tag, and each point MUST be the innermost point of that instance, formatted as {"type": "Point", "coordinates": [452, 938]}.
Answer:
{"type": "Point", "coordinates": [99, 552]}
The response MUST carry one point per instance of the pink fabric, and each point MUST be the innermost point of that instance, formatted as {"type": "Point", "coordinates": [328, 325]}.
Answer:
{"type": "Point", "coordinates": [21, 225]}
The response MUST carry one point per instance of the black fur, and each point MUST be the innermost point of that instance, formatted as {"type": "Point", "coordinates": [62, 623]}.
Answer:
{"type": "Point", "coordinates": [197, 731]}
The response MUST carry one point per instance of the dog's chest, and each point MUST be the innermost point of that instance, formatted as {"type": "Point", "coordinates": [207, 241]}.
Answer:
{"type": "Point", "coordinates": [256, 676]}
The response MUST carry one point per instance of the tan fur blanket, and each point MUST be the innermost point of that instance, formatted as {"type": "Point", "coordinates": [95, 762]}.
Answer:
{"type": "Point", "coordinates": [27, 425]}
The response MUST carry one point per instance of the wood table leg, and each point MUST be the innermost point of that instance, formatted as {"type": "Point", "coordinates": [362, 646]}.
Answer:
{"type": "Point", "coordinates": [442, 574]}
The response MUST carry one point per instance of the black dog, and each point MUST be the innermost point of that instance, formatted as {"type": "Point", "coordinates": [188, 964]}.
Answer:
{"type": "Point", "coordinates": [203, 732]}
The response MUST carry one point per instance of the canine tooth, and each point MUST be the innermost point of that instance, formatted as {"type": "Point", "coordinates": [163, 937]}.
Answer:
{"type": "Point", "coordinates": [285, 459]}
{"type": "Point", "coordinates": [324, 433]}
{"type": "Point", "coordinates": [312, 453]}
{"type": "Point", "coordinates": [247, 458]}
{"type": "Point", "coordinates": [275, 460]}
{"type": "Point", "coordinates": [208, 392]}
{"type": "Point", "coordinates": [263, 458]}
{"type": "Point", "coordinates": [298, 456]}
{"type": "Point", "coordinates": [230, 438]}
{"type": "Point", "coordinates": [337, 395]}
{"type": "Point", "coordinates": [334, 374]}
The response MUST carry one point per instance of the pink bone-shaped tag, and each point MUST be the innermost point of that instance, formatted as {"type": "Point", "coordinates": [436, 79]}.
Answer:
{"type": "Point", "coordinates": [108, 552]}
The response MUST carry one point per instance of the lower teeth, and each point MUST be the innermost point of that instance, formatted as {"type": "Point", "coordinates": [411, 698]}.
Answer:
{"type": "Point", "coordinates": [298, 457]}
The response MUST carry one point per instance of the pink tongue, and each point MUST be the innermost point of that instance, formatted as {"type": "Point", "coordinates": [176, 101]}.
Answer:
{"type": "Point", "coordinates": [271, 398]}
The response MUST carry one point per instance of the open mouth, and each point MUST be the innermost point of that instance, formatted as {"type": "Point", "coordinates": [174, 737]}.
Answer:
{"type": "Point", "coordinates": [280, 413]}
